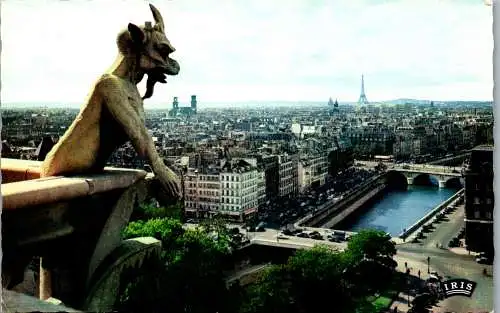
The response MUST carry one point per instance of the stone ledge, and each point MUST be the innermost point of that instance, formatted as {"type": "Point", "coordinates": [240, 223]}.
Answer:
{"type": "Point", "coordinates": [14, 170]}
{"type": "Point", "coordinates": [18, 302]}
{"type": "Point", "coordinates": [30, 192]}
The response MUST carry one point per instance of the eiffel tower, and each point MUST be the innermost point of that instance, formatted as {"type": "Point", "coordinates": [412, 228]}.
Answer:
{"type": "Point", "coordinates": [362, 97]}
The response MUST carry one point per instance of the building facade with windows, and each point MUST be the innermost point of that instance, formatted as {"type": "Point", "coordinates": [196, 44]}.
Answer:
{"type": "Point", "coordinates": [240, 182]}
{"type": "Point", "coordinates": [201, 193]}
{"type": "Point", "coordinates": [312, 171]}
{"type": "Point", "coordinates": [288, 175]}
{"type": "Point", "coordinates": [479, 200]}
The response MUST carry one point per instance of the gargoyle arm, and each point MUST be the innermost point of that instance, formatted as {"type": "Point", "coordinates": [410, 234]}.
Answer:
{"type": "Point", "coordinates": [115, 101]}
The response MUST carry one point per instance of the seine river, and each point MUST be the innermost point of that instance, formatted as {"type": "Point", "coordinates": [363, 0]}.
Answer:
{"type": "Point", "coordinates": [396, 209]}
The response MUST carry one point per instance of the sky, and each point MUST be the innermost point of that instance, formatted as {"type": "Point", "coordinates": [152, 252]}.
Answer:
{"type": "Point", "coordinates": [258, 50]}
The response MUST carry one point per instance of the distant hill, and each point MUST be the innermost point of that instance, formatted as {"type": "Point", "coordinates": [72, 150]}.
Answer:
{"type": "Point", "coordinates": [441, 103]}
{"type": "Point", "coordinates": [412, 101]}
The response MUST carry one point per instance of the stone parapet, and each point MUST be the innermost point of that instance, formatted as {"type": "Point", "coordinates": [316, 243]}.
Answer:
{"type": "Point", "coordinates": [17, 302]}
{"type": "Point", "coordinates": [72, 223]}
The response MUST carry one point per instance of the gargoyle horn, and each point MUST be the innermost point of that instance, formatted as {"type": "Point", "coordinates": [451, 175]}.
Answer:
{"type": "Point", "coordinates": [158, 18]}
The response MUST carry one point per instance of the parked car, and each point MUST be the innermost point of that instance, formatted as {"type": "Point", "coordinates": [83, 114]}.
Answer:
{"type": "Point", "coordinates": [316, 236]}
{"type": "Point", "coordinates": [334, 239]}
{"type": "Point", "coordinates": [455, 242]}
{"type": "Point", "coordinates": [484, 260]}
{"type": "Point", "coordinates": [423, 300]}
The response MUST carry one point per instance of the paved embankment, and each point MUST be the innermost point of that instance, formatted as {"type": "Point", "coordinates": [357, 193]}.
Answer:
{"type": "Point", "coordinates": [348, 210]}
{"type": "Point", "coordinates": [330, 209]}
{"type": "Point", "coordinates": [417, 225]}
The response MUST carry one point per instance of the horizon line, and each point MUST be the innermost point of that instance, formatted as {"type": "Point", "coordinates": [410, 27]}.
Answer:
{"type": "Point", "coordinates": [49, 102]}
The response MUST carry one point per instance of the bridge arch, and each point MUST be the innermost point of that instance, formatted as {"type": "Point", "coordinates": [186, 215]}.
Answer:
{"type": "Point", "coordinates": [426, 180]}
{"type": "Point", "coordinates": [396, 180]}
{"type": "Point", "coordinates": [454, 182]}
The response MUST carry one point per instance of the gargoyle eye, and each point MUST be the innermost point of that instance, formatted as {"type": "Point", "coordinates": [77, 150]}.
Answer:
{"type": "Point", "coordinates": [165, 49]}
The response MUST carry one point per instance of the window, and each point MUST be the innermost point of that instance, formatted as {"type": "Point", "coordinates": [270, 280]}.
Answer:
{"type": "Point", "coordinates": [488, 215]}
{"type": "Point", "coordinates": [477, 200]}
{"type": "Point", "coordinates": [477, 214]}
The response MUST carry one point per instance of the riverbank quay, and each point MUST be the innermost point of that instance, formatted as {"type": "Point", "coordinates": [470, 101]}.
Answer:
{"type": "Point", "coordinates": [411, 232]}
{"type": "Point", "coordinates": [333, 208]}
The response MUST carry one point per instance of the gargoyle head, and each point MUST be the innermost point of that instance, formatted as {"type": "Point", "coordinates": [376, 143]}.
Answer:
{"type": "Point", "coordinates": [151, 48]}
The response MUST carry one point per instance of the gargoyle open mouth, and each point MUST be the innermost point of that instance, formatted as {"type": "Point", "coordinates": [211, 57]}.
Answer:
{"type": "Point", "coordinates": [159, 75]}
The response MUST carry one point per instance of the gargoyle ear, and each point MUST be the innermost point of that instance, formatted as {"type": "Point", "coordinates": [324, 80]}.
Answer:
{"type": "Point", "coordinates": [136, 34]}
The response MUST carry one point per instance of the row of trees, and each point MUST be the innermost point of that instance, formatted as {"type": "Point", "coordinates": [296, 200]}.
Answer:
{"type": "Point", "coordinates": [318, 279]}
{"type": "Point", "coordinates": [189, 274]}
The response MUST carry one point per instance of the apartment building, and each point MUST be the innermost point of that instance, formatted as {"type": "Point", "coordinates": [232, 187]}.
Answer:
{"type": "Point", "coordinates": [270, 166]}
{"type": "Point", "coordinates": [312, 171]}
{"type": "Point", "coordinates": [288, 175]}
{"type": "Point", "coordinates": [261, 179]}
{"type": "Point", "coordinates": [479, 200]}
{"type": "Point", "coordinates": [239, 189]}
{"type": "Point", "coordinates": [202, 192]}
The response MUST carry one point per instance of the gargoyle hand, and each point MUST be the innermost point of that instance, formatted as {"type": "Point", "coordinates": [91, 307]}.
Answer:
{"type": "Point", "coordinates": [170, 182]}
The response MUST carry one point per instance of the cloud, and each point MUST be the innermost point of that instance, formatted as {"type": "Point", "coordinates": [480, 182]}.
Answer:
{"type": "Point", "coordinates": [236, 50]}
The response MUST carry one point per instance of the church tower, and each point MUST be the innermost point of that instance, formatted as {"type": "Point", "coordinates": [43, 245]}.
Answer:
{"type": "Point", "coordinates": [194, 103]}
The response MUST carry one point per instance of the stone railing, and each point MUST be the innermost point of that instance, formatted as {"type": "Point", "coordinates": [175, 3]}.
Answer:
{"type": "Point", "coordinates": [73, 224]}
{"type": "Point", "coordinates": [17, 302]}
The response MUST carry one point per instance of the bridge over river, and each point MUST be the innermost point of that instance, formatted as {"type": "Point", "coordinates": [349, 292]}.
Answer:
{"type": "Point", "coordinates": [441, 175]}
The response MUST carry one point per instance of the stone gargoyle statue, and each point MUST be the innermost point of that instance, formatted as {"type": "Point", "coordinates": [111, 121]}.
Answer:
{"type": "Point", "coordinates": [113, 112]}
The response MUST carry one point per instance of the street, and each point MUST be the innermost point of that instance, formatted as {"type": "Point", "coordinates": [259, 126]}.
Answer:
{"type": "Point", "coordinates": [442, 260]}
{"type": "Point", "coordinates": [449, 265]}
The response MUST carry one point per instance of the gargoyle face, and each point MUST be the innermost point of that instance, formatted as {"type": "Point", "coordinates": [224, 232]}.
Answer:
{"type": "Point", "coordinates": [154, 48]}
